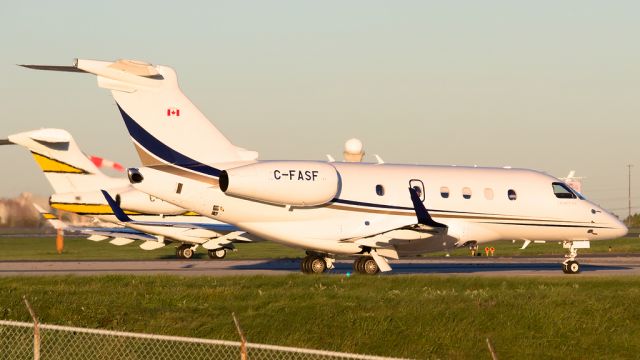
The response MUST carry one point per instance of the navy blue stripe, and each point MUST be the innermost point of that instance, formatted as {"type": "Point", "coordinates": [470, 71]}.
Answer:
{"type": "Point", "coordinates": [393, 207]}
{"type": "Point", "coordinates": [360, 203]}
{"type": "Point", "coordinates": [549, 225]}
{"type": "Point", "coordinates": [162, 151]}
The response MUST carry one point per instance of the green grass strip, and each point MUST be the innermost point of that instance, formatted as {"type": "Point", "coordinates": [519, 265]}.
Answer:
{"type": "Point", "coordinates": [574, 317]}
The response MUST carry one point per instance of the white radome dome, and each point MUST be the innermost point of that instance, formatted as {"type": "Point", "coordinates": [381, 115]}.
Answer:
{"type": "Point", "coordinates": [353, 146]}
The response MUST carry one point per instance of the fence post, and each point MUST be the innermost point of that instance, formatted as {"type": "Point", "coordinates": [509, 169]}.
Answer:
{"type": "Point", "coordinates": [494, 356]}
{"type": "Point", "coordinates": [36, 330]}
{"type": "Point", "coordinates": [243, 340]}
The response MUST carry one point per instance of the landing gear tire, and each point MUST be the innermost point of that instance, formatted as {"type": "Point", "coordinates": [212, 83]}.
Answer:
{"type": "Point", "coordinates": [370, 266]}
{"type": "Point", "coordinates": [187, 253]}
{"type": "Point", "coordinates": [313, 264]}
{"type": "Point", "coordinates": [571, 267]}
{"type": "Point", "coordinates": [184, 251]}
{"type": "Point", "coordinates": [217, 253]}
{"type": "Point", "coordinates": [357, 265]}
{"type": "Point", "coordinates": [366, 265]}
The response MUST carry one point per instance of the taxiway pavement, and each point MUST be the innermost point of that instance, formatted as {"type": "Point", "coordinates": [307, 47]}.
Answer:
{"type": "Point", "coordinates": [459, 266]}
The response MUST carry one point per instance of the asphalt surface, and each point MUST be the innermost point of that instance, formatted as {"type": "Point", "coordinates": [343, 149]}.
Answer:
{"type": "Point", "coordinates": [486, 266]}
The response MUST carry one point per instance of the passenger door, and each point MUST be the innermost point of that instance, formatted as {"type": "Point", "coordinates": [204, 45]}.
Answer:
{"type": "Point", "coordinates": [418, 186]}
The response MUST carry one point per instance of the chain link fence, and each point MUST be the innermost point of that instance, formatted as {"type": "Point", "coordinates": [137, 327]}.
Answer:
{"type": "Point", "coordinates": [17, 342]}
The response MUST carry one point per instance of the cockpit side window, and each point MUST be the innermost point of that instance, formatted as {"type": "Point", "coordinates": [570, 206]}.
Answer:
{"type": "Point", "coordinates": [562, 191]}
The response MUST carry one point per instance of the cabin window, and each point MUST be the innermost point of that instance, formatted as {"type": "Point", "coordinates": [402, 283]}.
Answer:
{"type": "Point", "coordinates": [444, 192]}
{"type": "Point", "coordinates": [466, 193]}
{"type": "Point", "coordinates": [380, 190]}
{"type": "Point", "coordinates": [562, 191]}
{"type": "Point", "coordinates": [488, 193]}
{"type": "Point", "coordinates": [511, 194]}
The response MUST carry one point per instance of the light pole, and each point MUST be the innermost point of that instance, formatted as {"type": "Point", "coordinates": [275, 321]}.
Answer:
{"type": "Point", "coordinates": [629, 166]}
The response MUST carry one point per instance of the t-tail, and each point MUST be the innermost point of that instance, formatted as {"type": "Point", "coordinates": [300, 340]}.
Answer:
{"type": "Point", "coordinates": [66, 167]}
{"type": "Point", "coordinates": [167, 129]}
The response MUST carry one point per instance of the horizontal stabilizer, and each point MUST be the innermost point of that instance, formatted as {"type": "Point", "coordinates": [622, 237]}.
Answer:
{"type": "Point", "coordinates": [97, 238]}
{"type": "Point", "coordinates": [50, 218]}
{"type": "Point", "coordinates": [54, 68]}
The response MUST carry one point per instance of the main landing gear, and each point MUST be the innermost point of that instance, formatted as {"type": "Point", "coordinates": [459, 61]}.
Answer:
{"type": "Point", "coordinates": [185, 251]}
{"type": "Point", "coordinates": [365, 265]}
{"type": "Point", "coordinates": [316, 263]}
{"type": "Point", "coordinates": [217, 254]}
{"type": "Point", "coordinates": [570, 265]}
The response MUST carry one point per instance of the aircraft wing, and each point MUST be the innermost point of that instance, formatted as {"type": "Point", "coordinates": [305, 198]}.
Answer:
{"type": "Point", "coordinates": [96, 233]}
{"type": "Point", "coordinates": [423, 230]}
{"type": "Point", "coordinates": [123, 217]}
{"type": "Point", "coordinates": [116, 232]}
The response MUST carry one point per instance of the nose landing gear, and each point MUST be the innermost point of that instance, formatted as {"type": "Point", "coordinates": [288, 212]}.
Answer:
{"type": "Point", "coordinates": [570, 265]}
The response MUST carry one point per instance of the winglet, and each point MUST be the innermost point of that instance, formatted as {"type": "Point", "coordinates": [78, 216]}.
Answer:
{"type": "Point", "coordinates": [117, 210]}
{"type": "Point", "coordinates": [421, 211]}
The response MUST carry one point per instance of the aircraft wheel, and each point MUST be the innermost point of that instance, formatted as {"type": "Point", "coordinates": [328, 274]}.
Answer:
{"type": "Point", "coordinates": [573, 267]}
{"type": "Point", "coordinates": [217, 253]}
{"type": "Point", "coordinates": [303, 265]}
{"type": "Point", "coordinates": [565, 269]}
{"type": "Point", "coordinates": [179, 253]}
{"type": "Point", "coordinates": [187, 253]}
{"type": "Point", "coordinates": [358, 265]}
{"type": "Point", "coordinates": [369, 266]}
{"type": "Point", "coordinates": [316, 265]}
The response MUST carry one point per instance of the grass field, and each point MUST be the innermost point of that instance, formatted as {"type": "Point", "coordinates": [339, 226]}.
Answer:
{"type": "Point", "coordinates": [76, 248]}
{"type": "Point", "coordinates": [409, 316]}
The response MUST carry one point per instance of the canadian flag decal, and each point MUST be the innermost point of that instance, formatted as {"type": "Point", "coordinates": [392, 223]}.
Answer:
{"type": "Point", "coordinates": [173, 112]}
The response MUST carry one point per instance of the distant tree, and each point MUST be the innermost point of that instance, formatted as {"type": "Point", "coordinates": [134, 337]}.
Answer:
{"type": "Point", "coordinates": [634, 221]}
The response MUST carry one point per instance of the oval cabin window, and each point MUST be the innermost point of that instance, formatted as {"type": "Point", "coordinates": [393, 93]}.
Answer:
{"type": "Point", "coordinates": [380, 190]}
{"type": "Point", "coordinates": [444, 192]}
{"type": "Point", "coordinates": [512, 194]}
{"type": "Point", "coordinates": [488, 193]}
{"type": "Point", "coordinates": [466, 193]}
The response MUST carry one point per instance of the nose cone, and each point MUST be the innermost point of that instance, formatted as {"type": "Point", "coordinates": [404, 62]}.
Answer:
{"type": "Point", "coordinates": [617, 228]}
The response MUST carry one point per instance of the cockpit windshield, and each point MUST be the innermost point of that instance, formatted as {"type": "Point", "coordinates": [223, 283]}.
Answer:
{"type": "Point", "coordinates": [562, 191]}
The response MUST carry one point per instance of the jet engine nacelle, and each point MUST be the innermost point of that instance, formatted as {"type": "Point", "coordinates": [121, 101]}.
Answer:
{"type": "Point", "coordinates": [134, 200]}
{"type": "Point", "coordinates": [296, 183]}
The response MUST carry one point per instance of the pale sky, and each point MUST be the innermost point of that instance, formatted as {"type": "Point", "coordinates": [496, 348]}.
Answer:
{"type": "Point", "coordinates": [548, 85]}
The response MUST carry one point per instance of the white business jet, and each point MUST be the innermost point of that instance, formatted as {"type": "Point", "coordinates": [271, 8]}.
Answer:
{"type": "Point", "coordinates": [374, 212]}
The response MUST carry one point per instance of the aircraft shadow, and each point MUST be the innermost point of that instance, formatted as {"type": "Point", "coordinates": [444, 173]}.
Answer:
{"type": "Point", "coordinates": [434, 268]}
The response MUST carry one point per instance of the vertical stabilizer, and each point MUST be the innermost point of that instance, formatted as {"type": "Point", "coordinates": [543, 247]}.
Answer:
{"type": "Point", "coordinates": [166, 127]}
{"type": "Point", "coordinates": [63, 163]}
